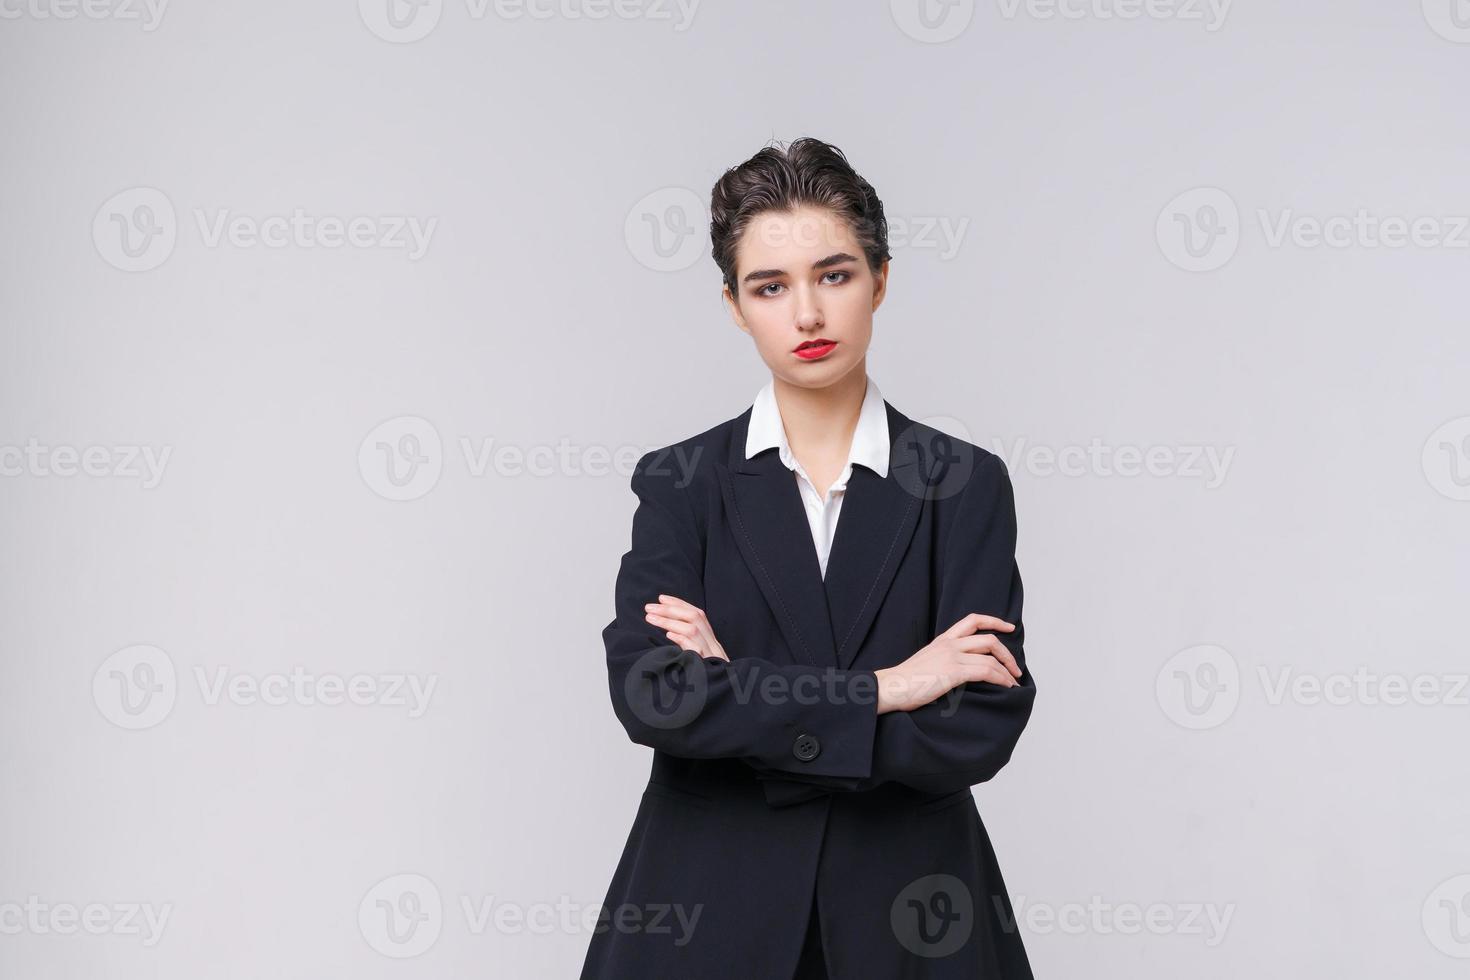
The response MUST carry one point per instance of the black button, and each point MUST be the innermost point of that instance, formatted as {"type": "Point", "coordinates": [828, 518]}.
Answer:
{"type": "Point", "coordinates": [807, 747]}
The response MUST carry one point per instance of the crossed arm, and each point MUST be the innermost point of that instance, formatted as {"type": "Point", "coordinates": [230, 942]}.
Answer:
{"type": "Point", "coordinates": [944, 719]}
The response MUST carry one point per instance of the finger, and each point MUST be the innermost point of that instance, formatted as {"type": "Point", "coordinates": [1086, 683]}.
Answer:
{"type": "Point", "coordinates": [685, 613]}
{"type": "Point", "coordinates": [983, 667]}
{"type": "Point", "coordinates": [995, 673]}
{"type": "Point", "coordinates": [685, 643]}
{"type": "Point", "coordinates": [978, 621]}
{"type": "Point", "coordinates": [679, 609]}
{"type": "Point", "coordinates": [986, 643]}
{"type": "Point", "coordinates": [673, 625]}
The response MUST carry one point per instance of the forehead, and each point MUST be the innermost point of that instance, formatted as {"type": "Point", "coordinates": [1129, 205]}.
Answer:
{"type": "Point", "coordinates": [791, 239]}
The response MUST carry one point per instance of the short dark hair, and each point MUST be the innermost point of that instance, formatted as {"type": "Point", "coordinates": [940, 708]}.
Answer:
{"type": "Point", "coordinates": [808, 172]}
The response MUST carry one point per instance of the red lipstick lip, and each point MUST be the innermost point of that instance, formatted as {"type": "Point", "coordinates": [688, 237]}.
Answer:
{"type": "Point", "coordinates": [811, 350]}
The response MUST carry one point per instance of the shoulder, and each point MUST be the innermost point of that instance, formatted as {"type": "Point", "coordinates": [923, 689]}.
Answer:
{"type": "Point", "coordinates": [680, 473]}
{"type": "Point", "coordinates": [967, 487]}
{"type": "Point", "coordinates": [951, 467]}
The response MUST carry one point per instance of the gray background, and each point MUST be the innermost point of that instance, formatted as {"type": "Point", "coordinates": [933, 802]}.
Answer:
{"type": "Point", "coordinates": [1161, 774]}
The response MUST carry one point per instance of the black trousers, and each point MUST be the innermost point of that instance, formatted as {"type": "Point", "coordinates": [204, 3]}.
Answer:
{"type": "Point", "coordinates": [812, 966]}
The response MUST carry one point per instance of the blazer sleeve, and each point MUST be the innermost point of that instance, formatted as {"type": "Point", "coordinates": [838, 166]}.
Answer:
{"type": "Point", "coordinates": [967, 735]}
{"type": "Point", "coordinates": [679, 702]}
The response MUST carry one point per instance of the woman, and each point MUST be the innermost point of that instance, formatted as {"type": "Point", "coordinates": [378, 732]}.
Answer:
{"type": "Point", "coordinates": [818, 631]}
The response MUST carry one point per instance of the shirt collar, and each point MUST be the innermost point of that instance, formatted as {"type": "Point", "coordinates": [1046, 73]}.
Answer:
{"type": "Point", "coordinates": [870, 441]}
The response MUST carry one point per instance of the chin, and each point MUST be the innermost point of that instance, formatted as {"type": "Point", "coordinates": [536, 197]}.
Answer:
{"type": "Point", "coordinates": [820, 374]}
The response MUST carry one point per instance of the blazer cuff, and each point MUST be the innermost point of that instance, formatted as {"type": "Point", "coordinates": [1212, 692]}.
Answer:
{"type": "Point", "coordinates": [831, 746]}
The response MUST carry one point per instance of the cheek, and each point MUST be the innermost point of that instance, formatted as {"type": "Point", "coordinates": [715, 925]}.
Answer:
{"type": "Point", "coordinates": [857, 307]}
{"type": "Point", "coordinates": [769, 336]}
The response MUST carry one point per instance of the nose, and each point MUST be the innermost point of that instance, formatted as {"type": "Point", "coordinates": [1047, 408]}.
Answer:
{"type": "Point", "coordinates": [808, 311]}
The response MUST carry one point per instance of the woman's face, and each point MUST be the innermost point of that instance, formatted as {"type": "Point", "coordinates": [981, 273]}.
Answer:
{"type": "Point", "coordinates": [802, 277]}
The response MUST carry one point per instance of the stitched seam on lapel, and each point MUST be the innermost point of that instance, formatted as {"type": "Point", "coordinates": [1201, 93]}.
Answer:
{"type": "Point", "coordinates": [877, 578]}
{"type": "Point", "coordinates": [740, 523]}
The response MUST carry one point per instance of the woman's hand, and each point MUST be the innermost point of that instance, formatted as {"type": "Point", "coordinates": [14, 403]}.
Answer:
{"type": "Point", "coordinates": [956, 656]}
{"type": "Point", "coordinates": [685, 624]}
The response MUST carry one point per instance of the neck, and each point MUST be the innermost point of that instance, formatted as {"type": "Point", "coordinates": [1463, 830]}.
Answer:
{"type": "Point", "coordinates": [822, 419]}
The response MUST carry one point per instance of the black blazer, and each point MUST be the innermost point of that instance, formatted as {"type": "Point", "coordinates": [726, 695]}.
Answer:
{"type": "Point", "coordinates": [774, 779]}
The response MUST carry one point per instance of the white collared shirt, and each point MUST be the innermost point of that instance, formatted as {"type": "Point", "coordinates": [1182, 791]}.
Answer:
{"type": "Point", "coordinates": [869, 447]}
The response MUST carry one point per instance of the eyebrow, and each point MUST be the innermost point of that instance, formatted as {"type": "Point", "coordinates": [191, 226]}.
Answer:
{"type": "Point", "coordinates": [835, 258]}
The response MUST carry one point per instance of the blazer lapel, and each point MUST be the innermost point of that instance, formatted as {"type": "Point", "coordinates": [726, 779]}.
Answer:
{"type": "Point", "coordinates": [770, 526]}
{"type": "Point", "coordinates": [824, 620]}
{"type": "Point", "coordinates": [874, 527]}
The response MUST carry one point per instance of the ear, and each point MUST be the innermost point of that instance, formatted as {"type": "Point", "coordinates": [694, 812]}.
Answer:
{"type": "Point", "coordinates": [734, 308]}
{"type": "Point", "coordinates": [880, 285]}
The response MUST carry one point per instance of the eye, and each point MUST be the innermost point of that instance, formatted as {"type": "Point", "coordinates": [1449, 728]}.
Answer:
{"type": "Point", "coordinates": [840, 272]}
{"type": "Point", "coordinates": [762, 290]}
